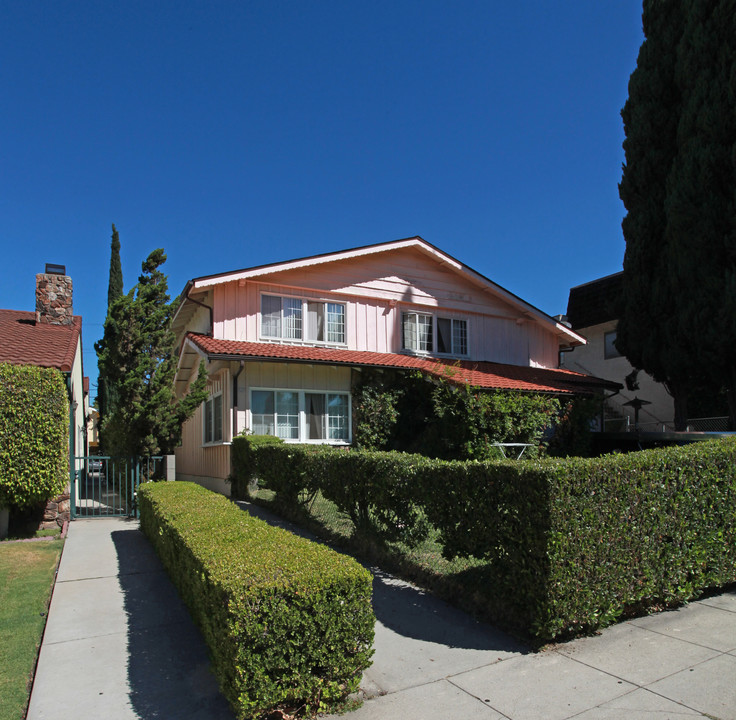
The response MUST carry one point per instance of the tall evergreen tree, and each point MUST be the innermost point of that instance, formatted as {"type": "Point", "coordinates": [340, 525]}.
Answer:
{"type": "Point", "coordinates": [678, 187]}
{"type": "Point", "coordinates": [701, 190]}
{"type": "Point", "coordinates": [115, 283]}
{"type": "Point", "coordinates": [137, 355]}
{"type": "Point", "coordinates": [105, 390]}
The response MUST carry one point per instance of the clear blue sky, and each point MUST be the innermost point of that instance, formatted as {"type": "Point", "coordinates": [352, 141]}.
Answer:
{"type": "Point", "coordinates": [234, 134]}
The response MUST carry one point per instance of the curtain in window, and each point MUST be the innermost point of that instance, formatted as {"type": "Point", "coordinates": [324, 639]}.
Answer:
{"type": "Point", "coordinates": [316, 321]}
{"type": "Point", "coordinates": [444, 335]}
{"type": "Point", "coordinates": [315, 409]}
{"type": "Point", "coordinates": [262, 412]}
{"type": "Point", "coordinates": [270, 316]}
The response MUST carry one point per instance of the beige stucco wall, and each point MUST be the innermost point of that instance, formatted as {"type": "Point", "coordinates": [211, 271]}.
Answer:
{"type": "Point", "coordinates": [590, 359]}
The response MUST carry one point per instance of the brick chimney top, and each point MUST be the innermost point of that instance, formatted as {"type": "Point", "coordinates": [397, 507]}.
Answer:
{"type": "Point", "coordinates": [54, 299]}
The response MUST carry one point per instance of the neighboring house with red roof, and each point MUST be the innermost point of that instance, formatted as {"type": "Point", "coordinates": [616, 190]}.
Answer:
{"type": "Point", "coordinates": [51, 337]}
{"type": "Point", "coordinates": [283, 343]}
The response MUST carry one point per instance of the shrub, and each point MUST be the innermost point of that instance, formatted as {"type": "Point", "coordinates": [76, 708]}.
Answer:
{"type": "Point", "coordinates": [34, 432]}
{"type": "Point", "coordinates": [575, 544]}
{"type": "Point", "coordinates": [374, 412]}
{"type": "Point", "coordinates": [432, 416]}
{"type": "Point", "coordinates": [288, 622]}
{"type": "Point", "coordinates": [377, 490]}
{"type": "Point", "coordinates": [243, 460]}
{"type": "Point", "coordinates": [571, 545]}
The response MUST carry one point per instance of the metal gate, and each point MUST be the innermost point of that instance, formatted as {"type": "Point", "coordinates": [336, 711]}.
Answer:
{"type": "Point", "coordinates": [103, 486]}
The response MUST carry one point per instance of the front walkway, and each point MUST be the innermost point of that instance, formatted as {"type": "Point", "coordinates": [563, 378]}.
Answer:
{"type": "Point", "coordinates": [119, 644]}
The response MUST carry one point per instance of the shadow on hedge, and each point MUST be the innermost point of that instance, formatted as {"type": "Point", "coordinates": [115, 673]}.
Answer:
{"type": "Point", "coordinates": [407, 610]}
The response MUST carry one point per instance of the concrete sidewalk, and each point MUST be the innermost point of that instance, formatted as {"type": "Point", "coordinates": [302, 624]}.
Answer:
{"type": "Point", "coordinates": [120, 644]}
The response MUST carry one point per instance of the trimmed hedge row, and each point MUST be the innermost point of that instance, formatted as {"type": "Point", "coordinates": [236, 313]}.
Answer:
{"type": "Point", "coordinates": [34, 435]}
{"type": "Point", "coordinates": [288, 622]}
{"type": "Point", "coordinates": [572, 544]}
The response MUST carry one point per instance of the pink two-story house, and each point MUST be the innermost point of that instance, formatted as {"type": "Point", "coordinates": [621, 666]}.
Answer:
{"type": "Point", "coordinates": [283, 342]}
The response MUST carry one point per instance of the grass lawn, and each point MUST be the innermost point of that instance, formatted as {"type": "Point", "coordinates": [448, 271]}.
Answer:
{"type": "Point", "coordinates": [26, 577]}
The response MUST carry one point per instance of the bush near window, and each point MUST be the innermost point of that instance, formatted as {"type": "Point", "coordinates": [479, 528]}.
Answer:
{"type": "Point", "coordinates": [377, 490]}
{"type": "Point", "coordinates": [573, 544]}
{"type": "Point", "coordinates": [34, 435]}
{"type": "Point", "coordinates": [288, 622]}
{"type": "Point", "coordinates": [411, 412]}
{"type": "Point", "coordinates": [244, 470]}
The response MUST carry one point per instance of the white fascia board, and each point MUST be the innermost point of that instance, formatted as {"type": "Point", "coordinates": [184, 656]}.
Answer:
{"type": "Point", "coordinates": [255, 272]}
{"type": "Point", "coordinates": [415, 242]}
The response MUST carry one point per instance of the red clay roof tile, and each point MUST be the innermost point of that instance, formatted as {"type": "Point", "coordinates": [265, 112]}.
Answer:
{"type": "Point", "coordinates": [478, 374]}
{"type": "Point", "coordinates": [23, 341]}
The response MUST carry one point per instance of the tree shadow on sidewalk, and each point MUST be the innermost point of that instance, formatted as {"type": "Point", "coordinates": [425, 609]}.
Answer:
{"type": "Point", "coordinates": [168, 666]}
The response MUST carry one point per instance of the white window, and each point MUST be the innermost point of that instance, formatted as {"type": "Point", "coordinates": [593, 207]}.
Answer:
{"type": "Point", "coordinates": [420, 330]}
{"type": "Point", "coordinates": [287, 318]}
{"type": "Point", "coordinates": [212, 420]}
{"type": "Point", "coordinates": [300, 415]}
{"type": "Point", "coordinates": [417, 332]}
{"type": "Point", "coordinates": [452, 336]}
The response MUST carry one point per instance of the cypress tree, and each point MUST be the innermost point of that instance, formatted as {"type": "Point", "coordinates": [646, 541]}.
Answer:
{"type": "Point", "coordinates": [115, 283]}
{"type": "Point", "coordinates": [105, 390]}
{"type": "Point", "coordinates": [678, 188]}
{"type": "Point", "coordinates": [701, 188]}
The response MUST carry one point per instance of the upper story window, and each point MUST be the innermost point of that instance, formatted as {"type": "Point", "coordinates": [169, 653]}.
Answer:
{"type": "Point", "coordinates": [427, 333]}
{"type": "Point", "coordinates": [610, 350]}
{"type": "Point", "coordinates": [288, 318]}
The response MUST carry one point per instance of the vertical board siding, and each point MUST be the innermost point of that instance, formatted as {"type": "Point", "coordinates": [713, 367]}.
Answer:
{"type": "Point", "coordinates": [296, 376]}
{"type": "Point", "coordinates": [376, 290]}
{"type": "Point", "coordinates": [194, 458]}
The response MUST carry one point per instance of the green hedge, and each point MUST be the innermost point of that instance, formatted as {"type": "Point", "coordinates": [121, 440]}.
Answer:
{"type": "Point", "coordinates": [243, 459]}
{"type": "Point", "coordinates": [34, 435]}
{"type": "Point", "coordinates": [572, 544]}
{"type": "Point", "coordinates": [288, 622]}
{"type": "Point", "coordinates": [375, 489]}
{"type": "Point", "coordinates": [630, 532]}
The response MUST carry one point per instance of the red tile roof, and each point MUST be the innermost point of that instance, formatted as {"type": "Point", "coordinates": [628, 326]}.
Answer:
{"type": "Point", "coordinates": [477, 374]}
{"type": "Point", "coordinates": [23, 341]}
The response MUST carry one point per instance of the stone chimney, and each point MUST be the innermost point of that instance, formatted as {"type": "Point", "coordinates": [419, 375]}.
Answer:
{"type": "Point", "coordinates": [54, 296]}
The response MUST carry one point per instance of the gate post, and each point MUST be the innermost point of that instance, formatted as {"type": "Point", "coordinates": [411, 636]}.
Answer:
{"type": "Point", "coordinates": [169, 467]}
{"type": "Point", "coordinates": [73, 492]}
{"type": "Point", "coordinates": [136, 483]}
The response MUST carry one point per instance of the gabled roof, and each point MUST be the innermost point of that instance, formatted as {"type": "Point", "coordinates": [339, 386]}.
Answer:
{"type": "Point", "coordinates": [477, 374]}
{"type": "Point", "coordinates": [201, 284]}
{"type": "Point", "coordinates": [23, 341]}
{"type": "Point", "coordinates": [595, 302]}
